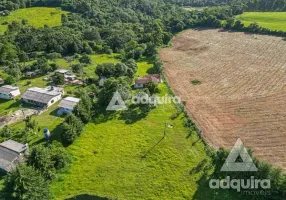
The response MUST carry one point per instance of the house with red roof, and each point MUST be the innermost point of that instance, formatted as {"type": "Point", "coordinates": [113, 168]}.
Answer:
{"type": "Point", "coordinates": [142, 82]}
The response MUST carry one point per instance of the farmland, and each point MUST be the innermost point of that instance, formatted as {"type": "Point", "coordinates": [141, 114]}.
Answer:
{"type": "Point", "coordinates": [271, 20]}
{"type": "Point", "coordinates": [242, 91]}
{"type": "Point", "coordinates": [37, 17]}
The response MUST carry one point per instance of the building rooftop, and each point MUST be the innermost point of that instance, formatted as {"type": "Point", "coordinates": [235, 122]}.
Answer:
{"type": "Point", "coordinates": [10, 154]}
{"type": "Point", "coordinates": [155, 78]}
{"type": "Point", "coordinates": [43, 95]}
{"type": "Point", "coordinates": [7, 89]}
{"type": "Point", "coordinates": [62, 71]}
{"type": "Point", "coordinates": [14, 146]}
{"type": "Point", "coordinates": [69, 102]}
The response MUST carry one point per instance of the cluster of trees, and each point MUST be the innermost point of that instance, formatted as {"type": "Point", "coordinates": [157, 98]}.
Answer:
{"type": "Point", "coordinates": [73, 125]}
{"type": "Point", "coordinates": [17, 70]}
{"type": "Point", "coordinates": [31, 180]}
{"type": "Point", "coordinates": [265, 171]}
{"type": "Point", "coordinates": [128, 68]}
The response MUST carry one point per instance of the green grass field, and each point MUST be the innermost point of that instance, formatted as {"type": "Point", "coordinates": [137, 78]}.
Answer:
{"type": "Point", "coordinates": [36, 16]}
{"type": "Point", "coordinates": [108, 157]}
{"type": "Point", "coordinates": [271, 20]}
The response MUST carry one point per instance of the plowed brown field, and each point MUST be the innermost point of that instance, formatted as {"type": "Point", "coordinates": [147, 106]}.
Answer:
{"type": "Point", "coordinates": [242, 92]}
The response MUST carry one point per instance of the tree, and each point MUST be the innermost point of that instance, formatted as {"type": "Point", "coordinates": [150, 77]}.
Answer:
{"type": "Point", "coordinates": [69, 134]}
{"type": "Point", "coordinates": [60, 156]}
{"type": "Point", "coordinates": [64, 18]}
{"type": "Point", "coordinates": [120, 69]}
{"type": "Point", "coordinates": [25, 183]}
{"type": "Point", "coordinates": [112, 85]}
{"type": "Point", "coordinates": [83, 109]}
{"type": "Point", "coordinates": [10, 80]}
{"type": "Point", "coordinates": [77, 68]}
{"type": "Point", "coordinates": [72, 128]}
{"type": "Point", "coordinates": [41, 159]}
{"type": "Point", "coordinates": [152, 87]}
{"type": "Point", "coordinates": [31, 124]}
{"type": "Point", "coordinates": [58, 79]}
{"type": "Point", "coordinates": [85, 59]}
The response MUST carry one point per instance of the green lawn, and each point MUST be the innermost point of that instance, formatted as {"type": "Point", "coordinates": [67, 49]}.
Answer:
{"type": "Point", "coordinates": [48, 119]}
{"type": "Point", "coordinates": [36, 16]}
{"type": "Point", "coordinates": [271, 20]}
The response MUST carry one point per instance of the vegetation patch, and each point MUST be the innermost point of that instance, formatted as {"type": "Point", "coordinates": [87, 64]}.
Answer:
{"type": "Point", "coordinates": [271, 20]}
{"type": "Point", "coordinates": [196, 82]}
{"type": "Point", "coordinates": [36, 17]}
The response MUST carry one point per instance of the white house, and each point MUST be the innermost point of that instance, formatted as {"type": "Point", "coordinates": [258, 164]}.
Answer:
{"type": "Point", "coordinates": [11, 154]}
{"type": "Point", "coordinates": [67, 105]}
{"type": "Point", "coordinates": [43, 97]}
{"type": "Point", "coordinates": [9, 92]}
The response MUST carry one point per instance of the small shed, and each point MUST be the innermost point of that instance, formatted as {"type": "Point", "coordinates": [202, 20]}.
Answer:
{"type": "Point", "coordinates": [67, 105]}
{"type": "Point", "coordinates": [9, 92]}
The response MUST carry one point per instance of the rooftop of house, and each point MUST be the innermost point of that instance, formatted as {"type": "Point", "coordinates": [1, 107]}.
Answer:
{"type": "Point", "coordinates": [155, 78]}
{"type": "Point", "coordinates": [10, 154]}
{"type": "Point", "coordinates": [43, 95]}
{"type": "Point", "coordinates": [69, 102]}
{"type": "Point", "coordinates": [62, 71]}
{"type": "Point", "coordinates": [6, 89]}
{"type": "Point", "coordinates": [14, 146]}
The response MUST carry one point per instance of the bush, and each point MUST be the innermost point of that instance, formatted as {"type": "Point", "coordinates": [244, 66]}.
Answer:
{"type": "Point", "coordinates": [72, 128]}
{"type": "Point", "coordinates": [24, 183]}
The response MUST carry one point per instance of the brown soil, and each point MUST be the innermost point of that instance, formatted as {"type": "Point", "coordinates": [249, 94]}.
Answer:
{"type": "Point", "coordinates": [242, 92]}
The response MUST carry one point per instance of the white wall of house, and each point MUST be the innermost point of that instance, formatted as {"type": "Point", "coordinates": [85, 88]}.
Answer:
{"type": "Point", "coordinates": [50, 103]}
{"type": "Point", "coordinates": [136, 86]}
{"type": "Point", "coordinates": [10, 95]}
{"type": "Point", "coordinates": [54, 100]}
{"type": "Point", "coordinates": [15, 93]}
{"type": "Point", "coordinates": [64, 111]}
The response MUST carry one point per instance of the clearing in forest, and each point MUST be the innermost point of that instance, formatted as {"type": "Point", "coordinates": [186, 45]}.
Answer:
{"type": "Point", "coordinates": [36, 16]}
{"type": "Point", "coordinates": [242, 88]}
{"type": "Point", "coordinates": [271, 20]}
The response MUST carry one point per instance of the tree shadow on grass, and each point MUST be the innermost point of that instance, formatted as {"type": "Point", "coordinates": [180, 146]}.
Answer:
{"type": "Point", "coordinates": [135, 113]}
{"type": "Point", "coordinates": [205, 192]}
{"type": "Point", "coordinates": [87, 197]}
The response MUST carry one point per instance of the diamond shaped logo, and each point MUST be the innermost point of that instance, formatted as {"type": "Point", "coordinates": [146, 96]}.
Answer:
{"type": "Point", "coordinates": [231, 164]}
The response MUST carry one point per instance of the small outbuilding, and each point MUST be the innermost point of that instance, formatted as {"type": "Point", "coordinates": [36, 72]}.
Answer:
{"type": "Point", "coordinates": [31, 74]}
{"type": "Point", "coordinates": [9, 92]}
{"type": "Point", "coordinates": [67, 105]}
{"type": "Point", "coordinates": [11, 154]}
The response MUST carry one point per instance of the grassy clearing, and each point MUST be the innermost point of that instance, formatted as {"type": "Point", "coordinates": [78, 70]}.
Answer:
{"type": "Point", "coordinates": [108, 160]}
{"type": "Point", "coordinates": [36, 16]}
{"type": "Point", "coordinates": [48, 119]}
{"type": "Point", "coordinates": [271, 20]}
{"type": "Point", "coordinates": [108, 157]}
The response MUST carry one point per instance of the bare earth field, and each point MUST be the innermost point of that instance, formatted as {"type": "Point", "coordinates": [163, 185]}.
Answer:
{"type": "Point", "coordinates": [242, 92]}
